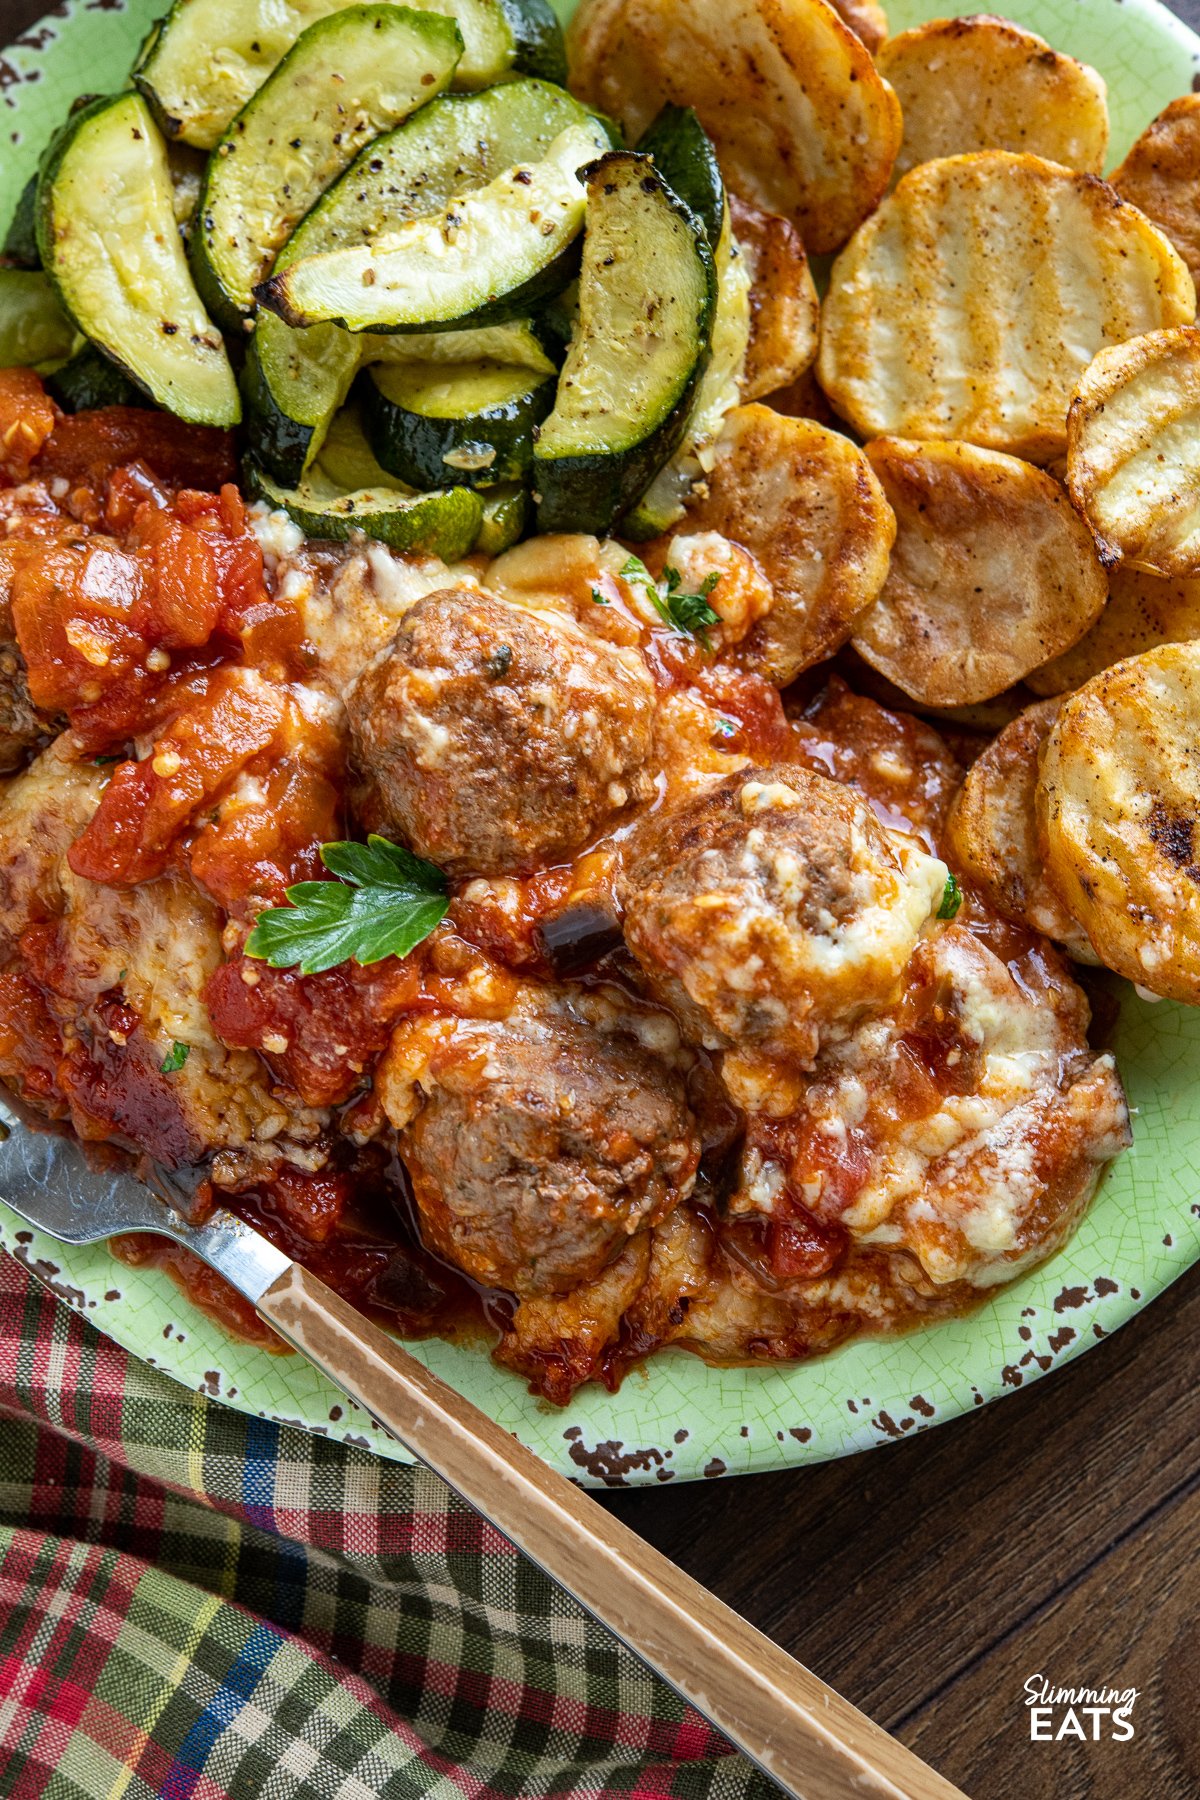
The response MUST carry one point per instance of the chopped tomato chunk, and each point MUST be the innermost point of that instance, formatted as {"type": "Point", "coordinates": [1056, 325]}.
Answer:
{"type": "Point", "coordinates": [147, 804]}
{"type": "Point", "coordinates": [89, 447]}
{"type": "Point", "coordinates": [27, 418]}
{"type": "Point", "coordinates": [254, 849]}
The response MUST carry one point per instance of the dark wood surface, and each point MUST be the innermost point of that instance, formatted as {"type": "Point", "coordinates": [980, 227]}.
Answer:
{"type": "Point", "coordinates": [1057, 1532]}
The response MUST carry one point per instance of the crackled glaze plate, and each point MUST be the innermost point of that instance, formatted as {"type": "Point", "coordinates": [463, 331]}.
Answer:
{"type": "Point", "coordinates": [679, 1419]}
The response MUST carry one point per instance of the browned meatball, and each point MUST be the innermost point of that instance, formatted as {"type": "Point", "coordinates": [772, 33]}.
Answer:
{"type": "Point", "coordinates": [21, 725]}
{"type": "Point", "coordinates": [772, 904]}
{"type": "Point", "coordinates": [499, 740]}
{"type": "Point", "coordinates": [537, 1152]}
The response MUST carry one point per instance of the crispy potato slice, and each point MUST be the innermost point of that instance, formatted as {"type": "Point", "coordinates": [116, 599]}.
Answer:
{"type": "Point", "coordinates": [1142, 611]}
{"type": "Point", "coordinates": [983, 83]}
{"type": "Point", "coordinates": [991, 567]}
{"type": "Point", "coordinates": [970, 304]}
{"type": "Point", "coordinates": [804, 502]}
{"type": "Point", "coordinates": [866, 19]}
{"type": "Point", "coordinates": [1161, 175]}
{"type": "Point", "coordinates": [802, 121]}
{"type": "Point", "coordinates": [1118, 798]}
{"type": "Point", "coordinates": [785, 313]}
{"type": "Point", "coordinates": [1133, 451]}
{"type": "Point", "coordinates": [991, 834]}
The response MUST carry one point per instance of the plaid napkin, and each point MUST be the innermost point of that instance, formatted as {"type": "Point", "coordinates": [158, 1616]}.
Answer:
{"type": "Point", "coordinates": [198, 1605]}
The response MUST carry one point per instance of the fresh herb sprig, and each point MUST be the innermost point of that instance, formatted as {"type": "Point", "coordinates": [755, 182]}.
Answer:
{"type": "Point", "coordinates": [952, 899]}
{"type": "Point", "coordinates": [385, 903]}
{"type": "Point", "coordinates": [680, 610]}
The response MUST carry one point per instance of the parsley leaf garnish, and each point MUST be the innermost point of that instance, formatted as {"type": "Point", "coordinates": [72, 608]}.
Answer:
{"type": "Point", "coordinates": [682, 611]}
{"type": "Point", "coordinates": [175, 1058]}
{"type": "Point", "coordinates": [952, 899]}
{"type": "Point", "coordinates": [386, 902]}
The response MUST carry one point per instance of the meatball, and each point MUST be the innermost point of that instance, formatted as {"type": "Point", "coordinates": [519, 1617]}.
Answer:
{"type": "Point", "coordinates": [537, 1148]}
{"type": "Point", "coordinates": [772, 905]}
{"type": "Point", "coordinates": [498, 739]}
{"type": "Point", "coordinates": [21, 724]}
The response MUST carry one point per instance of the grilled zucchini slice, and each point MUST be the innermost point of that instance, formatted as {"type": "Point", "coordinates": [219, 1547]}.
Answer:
{"type": "Point", "coordinates": [346, 79]}
{"type": "Point", "coordinates": [20, 240]}
{"type": "Point", "coordinates": [684, 157]}
{"type": "Point", "coordinates": [109, 242]}
{"type": "Point", "coordinates": [468, 425]}
{"type": "Point", "coordinates": [295, 380]}
{"type": "Point", "coordinates": [665, 500]}
{"type": "Point", "coordinates": [443, 524]}
{"type": "Point", "coordinates": [88, 379]}
{"type": "Point", "coordinates": [647, 296]}
{"type": "Point", "coordinates": [505, 511]}
{"type": "Point", "coordinates": [196, 95]}
{"type": "Point", "coordinates": [33, 326]}
{"type": "Point", "coordinates": [489, 254]}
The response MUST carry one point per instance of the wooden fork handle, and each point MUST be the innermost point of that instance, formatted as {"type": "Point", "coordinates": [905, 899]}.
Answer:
{"type": "Point", "coordinates": [811, 1741]}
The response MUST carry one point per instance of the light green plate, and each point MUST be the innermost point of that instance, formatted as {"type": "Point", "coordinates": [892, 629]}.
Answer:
{"type": "Point", "coordinates": [680, 1419]}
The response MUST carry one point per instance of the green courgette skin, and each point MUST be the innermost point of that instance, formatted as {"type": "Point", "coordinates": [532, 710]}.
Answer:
{"type": "Point", "coordinates": [180, 361]}
{"type": "Point", "coordinates": [538, 45]}
{"type": "Point", "coordinates": [530, 42]}
{"type": "Point", "coordinates": [293, 380]}
{"type": "Point", "coordinates": [20, 241]}
{"type": "Point", "coordinates": [505, 515]}
{"type": "Point", "coordinates": [684, 157]}
{"type": "Point", "coordinates": [230, 251]}
{"type": "Point", "coordinates": [444, 524]}
{"type": "Point", "coordinates": [89, 379]}
{"type": "Point", "coordinates": [34, 328]}
{"type": "Point", "coordinates": [413, 443]}
{"type": "Point", "coordinates": [590, 491]}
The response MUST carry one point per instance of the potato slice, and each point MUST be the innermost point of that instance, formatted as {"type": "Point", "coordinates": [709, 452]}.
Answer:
{"type": "Point", "coordinates": [983, 83]}
{"type": "Point", "coordinates": [1117, 801]}
{"type": "Point", "coordinates": [785, 313]}
{"type": "Point", "coordinates": [802, 121]}
{"type": "Point", "coordinates": [1161, 175]}
{"type": "Point", "coordinates": [991, 834]}
{"type": "Point", "coordinates": [804, 502]}
{"type": "Point", "coordinates": [991, 567]}
{"type": "Point", "coordinates": [1133, 451]}
{"type": "Point", "coordinates": [970, 304]}
{"type": "Point", "coordinates": [1142, 611]}
{"type": "Point", "coordinates": [866, 19]}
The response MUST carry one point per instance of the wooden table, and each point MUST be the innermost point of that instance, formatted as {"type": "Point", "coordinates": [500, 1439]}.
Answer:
{"type": "Point", "coordinates": [1054, 1533]}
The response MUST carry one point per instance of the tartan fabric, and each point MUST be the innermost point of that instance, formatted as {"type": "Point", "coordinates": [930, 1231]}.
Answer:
{"type": "Point", "coordinates": [204, 1606]}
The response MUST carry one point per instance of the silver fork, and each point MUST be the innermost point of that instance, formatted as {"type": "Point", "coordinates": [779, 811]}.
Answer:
{"type": "Point", "coordinates": [785, 1719]}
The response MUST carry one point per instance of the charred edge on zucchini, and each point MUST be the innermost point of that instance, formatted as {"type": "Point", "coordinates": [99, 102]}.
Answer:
{"type": "Point", "coordinates": [443, 524]}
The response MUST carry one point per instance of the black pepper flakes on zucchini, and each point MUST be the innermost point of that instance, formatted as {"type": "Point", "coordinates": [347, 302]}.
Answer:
{"type": "Point", "coordinates": [647, 296]}
{"type": "Point", "coordinates": [110, 244]}
{"type": "Point", "coordinates": [469, 424]}
{"type": "Point", "coordinates": [346, 79]}
{"type": "Point", "coordinates": [196, 94]}
{"type": "Point", "coordinates": [490, 253]}
{"type": "Point", "coordinates": [295, 379]}
{"type": "Point", "coordinates": [443, 524]}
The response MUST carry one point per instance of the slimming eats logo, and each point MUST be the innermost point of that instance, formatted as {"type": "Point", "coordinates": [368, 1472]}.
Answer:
{"type": "Point", "coordinates": [1085, 1713]}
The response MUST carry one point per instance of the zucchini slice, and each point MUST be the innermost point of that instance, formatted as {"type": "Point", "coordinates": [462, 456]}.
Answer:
{"type": "Point", "coordinates": [489, 254]}
{"type": "Point", "coordinates": [346, 79]}
{"type": "Point", "coordinates": [444, 524]}
{"type": "Point", "coordinates": [665, 500]}
{"type": "Point", "coordinates": [505, 511]}
{"type": "Point", "coordinates": [295, 380]}
{"type": "Point", "coordinates": [20, 240]}
{"type": "Point", "coordinates": [110, 244]}
{"type": "Point", "coordinates": [88, 379]}
{"type": "Point", "coordinates": [33, 326]}
{"type": "Point", "coordinates": [197, 92]}
{"type": "Point", "coordinates": [347, 459]}
{"type": "Point", "coordinates": [647, 295]}
{"type": "Point", "coordinates": [684, 157]}
{"type": "Point", "coordinates": [467, 424]}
